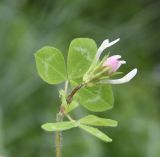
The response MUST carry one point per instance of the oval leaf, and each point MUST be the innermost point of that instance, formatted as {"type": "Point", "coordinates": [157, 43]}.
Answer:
{"type": "Point", "coordinates": [97, 121]}
{"type": "Point", "coordinates": [51, 65]}
{"type": "Point", "coordinates": [97, 98]}
{"type": "Point", "coordinates": [59, 126]}
{"type": "Point", "coordinates": [96, 132]}
{"type": "Point", "coordinates": [81, 53]}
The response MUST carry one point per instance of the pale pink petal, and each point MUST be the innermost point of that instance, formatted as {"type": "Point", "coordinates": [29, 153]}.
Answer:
{"type": "Point", "coordinates": [113, 62]}
{"type": "Point", "coordinates": [117, 67]}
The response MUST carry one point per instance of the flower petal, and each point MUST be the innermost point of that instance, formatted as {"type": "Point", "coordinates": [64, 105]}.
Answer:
{"type": "Point", "coordinates": [105, 45]}
{"type": "Point", "coordinates": [122, 62]}
{"type": "Point", "coordinates": [117, 67]}
{"type": "Point", "coordinates": [113, 42]}
{"type": "Point", "coordinates": [124, 79]}
{"type": "Point", "coordinates": [113, 62]}
{"type": "Point", "coordinates": [116, 56]}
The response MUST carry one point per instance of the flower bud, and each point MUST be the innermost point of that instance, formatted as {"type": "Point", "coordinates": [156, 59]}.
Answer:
{"type": "Point", "coordinates": [114, 63]}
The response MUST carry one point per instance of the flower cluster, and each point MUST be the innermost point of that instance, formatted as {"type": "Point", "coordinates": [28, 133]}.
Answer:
{"type": "Point", "coordinates": [101, 71]}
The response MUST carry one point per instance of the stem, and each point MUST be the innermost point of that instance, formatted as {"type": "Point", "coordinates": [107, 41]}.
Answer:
{"type": "Point", "coordinates": [58, 144]}
{"type": "Point", "coordinates": [66, 87]}
{"type": "Point", "coordinates": [74, 91]}
{"type": "Point", "coordinates": [58, 137]}
{"type": "Point", "coordinates": [69, 117]}
{"type": "Point", "coordinates": [61, 114]}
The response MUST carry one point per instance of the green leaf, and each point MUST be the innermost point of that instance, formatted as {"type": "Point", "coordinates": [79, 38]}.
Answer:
{"type": "Point", "coordinates": [96, 132]}
{"type": "Point", "coordinates": [96, 98]}
{"type": "Point", "coordinates": [97, 121]}
{"type": "Point", "coordinates": [74, 104]}
{"type": "Point", "coordinates": [80, 56]}
{"type": "Point", "coordinates": [51, 65]}
{"type": "Point", "coordinates": [59, 126]}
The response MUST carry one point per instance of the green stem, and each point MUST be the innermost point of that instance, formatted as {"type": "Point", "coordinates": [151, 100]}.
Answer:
{"type": "Point", "coordinates": [66, 87]}
{"type": "Point", "coordinates": [61, 114]}
{"type": "Point", "coordinates": [58, 144]}
{"type": "Point", "coordinates": [58, 137]}
{"type": "Point", "coordinates": [69, 117]}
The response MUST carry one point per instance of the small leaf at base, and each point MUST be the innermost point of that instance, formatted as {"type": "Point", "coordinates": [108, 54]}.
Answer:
{"type": "Point", "coordinates": [96, 132]}
{"type": "Point", "coordinates": [59, 126]}
{"type": "Point", "coordinates": [97, 121]}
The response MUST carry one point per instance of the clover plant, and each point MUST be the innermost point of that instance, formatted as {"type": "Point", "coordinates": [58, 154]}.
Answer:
{"type": "Point", "coordinates": [87, 81]}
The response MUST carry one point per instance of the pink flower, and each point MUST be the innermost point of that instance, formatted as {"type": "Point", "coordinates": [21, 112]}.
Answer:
{"type": "Point", "coordinates": [113, 62]}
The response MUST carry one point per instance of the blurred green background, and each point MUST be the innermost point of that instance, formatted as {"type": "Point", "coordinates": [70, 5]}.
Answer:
{"type": "Point", "coordinates": [26, 101]}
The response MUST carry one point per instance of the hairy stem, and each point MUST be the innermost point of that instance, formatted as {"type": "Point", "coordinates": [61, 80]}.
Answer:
{"type": "Point", "coordinates": [58, 144]}
{"type": "Point", "coordinates": [61, 114]}
{"type": "Point", "coordinates": [58, 137]}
